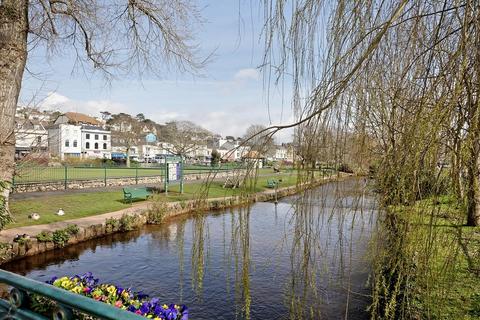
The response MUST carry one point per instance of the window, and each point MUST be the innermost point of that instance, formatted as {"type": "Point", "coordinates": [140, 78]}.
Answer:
{"type": "Point", "coordinates": [67, 143]}
{"type": "Point", "coordinates": [87, 145]}
{"type": "Point", "coordinates": [39, 139]}
{"type": "Point", "coordinates": [96, 145]}
{"type": "Point", "coordinates": [104, 137]}
{"type": "Point", "coordinates": [74, 143]}
{"type": "Point", "coordinates": [87, 136]}
{"type": "Point", "coordinates": [104, 146]}
{"type": "Point", "coordinates": [96, 137]}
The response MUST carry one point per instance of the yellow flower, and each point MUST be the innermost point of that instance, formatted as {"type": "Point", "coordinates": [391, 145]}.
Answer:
{"type": "Point", "coordinates": [165, 306]}
{"type": "Point", "coordinates": [112, 290]}
{"type": "Point", "coordinates": [77, 289]}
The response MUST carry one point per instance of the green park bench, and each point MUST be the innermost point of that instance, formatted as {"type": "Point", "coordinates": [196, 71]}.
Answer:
{"type": "Point", "coordinates": [272, 183]}
{"type": "Point", "coordinates": [135, 193]}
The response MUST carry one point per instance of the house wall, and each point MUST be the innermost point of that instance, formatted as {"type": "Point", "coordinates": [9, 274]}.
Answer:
{"type": "Point", "coordinates": [71, 134]}
{"type": "Point", "coordinates": [96, 143]}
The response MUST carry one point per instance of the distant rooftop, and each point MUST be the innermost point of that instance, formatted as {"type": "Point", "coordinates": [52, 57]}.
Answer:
{"type": "Point", "coordinates": [81, 118]}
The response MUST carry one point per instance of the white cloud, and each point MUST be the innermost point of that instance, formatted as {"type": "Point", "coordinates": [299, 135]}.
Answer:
{"type": "Point", "coordinates": [247, 74]}
{"type": "Point", "coordinates": [57, 102]}
{"type": "Point", "coordinates": [54, 101]}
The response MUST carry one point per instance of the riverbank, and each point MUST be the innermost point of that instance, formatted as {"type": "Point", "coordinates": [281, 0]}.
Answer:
{"type": "Point", "coordinates": [429, 265]}
{"type": "Point", "coordinates": [77, 204]}
{"type": "Point", "coordinates": [47, 237]}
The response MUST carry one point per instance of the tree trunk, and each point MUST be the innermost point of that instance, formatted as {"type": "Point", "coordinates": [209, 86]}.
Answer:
{"type": "Point", "coordinates": [473, 193]}
{"type": "Point", "coordinates": [128, 157]}
{"type": "Point", "coordinates": [13, 56]}
{"type": "Point", "coordinates": [473, 197]}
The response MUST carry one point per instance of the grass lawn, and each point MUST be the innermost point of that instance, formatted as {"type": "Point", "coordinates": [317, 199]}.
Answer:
{"type": "Point", "coordinates": [78, 205]}
{"type": "Point", "coordinates": [52, 174]}
{"type": "Point", "coordinates": [440, 254]}
{"type": "Point", "coordinates": [55, 174]}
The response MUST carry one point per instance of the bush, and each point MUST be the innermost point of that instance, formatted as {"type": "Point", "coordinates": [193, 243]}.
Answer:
{"type": "Point", "coordinates": [72, 229]}
{"type": "Point", "coordinates": [112, 224]}
{"type": "Point", "coordinates": [127, 223]}
{"type": "Point", "coordinates": [60, 237]}
{"type": "Point", "coordinates": [157, 211]}
{"type": "Point", "coordinates": [44, 236]}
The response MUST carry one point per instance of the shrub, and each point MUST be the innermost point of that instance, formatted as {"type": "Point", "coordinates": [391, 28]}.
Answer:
{"type": "Point", "coordinates": [44, 236]}
{"type": "Point", "coordinates": [60, 237]}
{"type": "Point", "coordinates": [157, 211]}
{"type": "Point", "coordinates": [127, 223]}
{"type": "Point", "coordinates": [112, 224]}
{"type": "Point", "coordinates": [72, 229]}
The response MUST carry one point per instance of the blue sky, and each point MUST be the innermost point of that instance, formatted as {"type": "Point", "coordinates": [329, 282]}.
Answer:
{"type": "Point", "coordinates": [227, 99]}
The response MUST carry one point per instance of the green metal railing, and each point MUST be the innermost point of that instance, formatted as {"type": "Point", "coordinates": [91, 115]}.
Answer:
{"type": "Point", "coordinates": [17, 306]}
{"type": "Point", "coordinates": [31, 175]}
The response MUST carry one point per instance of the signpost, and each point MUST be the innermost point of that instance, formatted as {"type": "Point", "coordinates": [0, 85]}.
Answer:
{"type": "Point", "coordinates": [173, 171]}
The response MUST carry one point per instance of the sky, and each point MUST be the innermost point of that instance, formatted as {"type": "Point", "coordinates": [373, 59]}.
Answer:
{"type": "Point", "coordinates": [229, 96]}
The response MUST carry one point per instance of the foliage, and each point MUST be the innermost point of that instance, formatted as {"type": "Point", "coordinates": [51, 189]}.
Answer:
{"type": "Point", "coordinates": [72, 229]}
{"type": "Point", "coordinates": [128, 222]}
{"type": "Point", "coordinates": [215, 158]}
{"type": "Point", "coordinates": [427, 266]}
{"type": "Point", "coordinates": [60, 237]}
{"type": "Point", "coordinates": [157, 211]}
{"type": "Point", "coordinates": [22, 240]}
{"type": "Point", "coordinates": [44, 236]}
{"type": "Point", "coordinates": [112, 223]}
{"type": "Point", "coordinates": [124, 298]}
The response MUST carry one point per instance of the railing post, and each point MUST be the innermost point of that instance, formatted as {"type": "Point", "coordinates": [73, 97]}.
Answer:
{"type": "Point", "coordinates": [66, 177]}
{"type": "Point", "coordinates": [105, 175]}
{"type": "Point", "coordinates": [136, 175]}
{"type": "Point", "coordinates": [166, 177]}
{"type": "Point", "coordinates": [181, 175]}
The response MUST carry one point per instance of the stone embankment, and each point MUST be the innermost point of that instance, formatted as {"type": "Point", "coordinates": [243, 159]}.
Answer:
{"type": "Point", "coordinates": [140, 214]}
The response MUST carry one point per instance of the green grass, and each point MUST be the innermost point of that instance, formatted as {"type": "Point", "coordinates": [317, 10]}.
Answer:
{"type": "Point", "coordinates": [54, 174]}
{"type": "Point", "coordinates": [78, 205]}
{"type": "Point", "coordinates": [27, 174]}
{"type": "Point", "coordinates": [442, 282]}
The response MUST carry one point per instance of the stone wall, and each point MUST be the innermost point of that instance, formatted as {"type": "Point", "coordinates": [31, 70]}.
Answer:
{"type": "Point", "coordinates": [114, 182]}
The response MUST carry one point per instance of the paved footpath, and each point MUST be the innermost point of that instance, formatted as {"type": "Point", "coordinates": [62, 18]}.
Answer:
{"type": "Point", "coordinates": [8, 234]}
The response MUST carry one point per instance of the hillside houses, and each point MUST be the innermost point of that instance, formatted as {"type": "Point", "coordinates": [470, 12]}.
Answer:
{"type": "Point", "coordinates": [77, 135]}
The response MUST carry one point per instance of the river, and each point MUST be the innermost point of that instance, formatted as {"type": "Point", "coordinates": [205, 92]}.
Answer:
{"type": "Point", "coordinates": [306, 257]}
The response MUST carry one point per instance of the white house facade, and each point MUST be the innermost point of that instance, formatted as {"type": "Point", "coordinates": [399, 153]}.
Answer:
{"type": "Point", "coordinates": [79, 135]}
{"type": "Point", "coordinates": [64, 140]}
{"type": "Point", "coordinates": [96, 142]}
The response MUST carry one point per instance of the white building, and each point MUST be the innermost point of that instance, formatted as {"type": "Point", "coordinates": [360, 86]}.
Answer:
{"type": "Point", "coordinates": [281, 154]}
{"type": "Point", "coordinates": [78, 135]}
{"type": "Point", "coordinates": [64, 140]}
{"type": "Point", "coordinates": [148, 152]}
{"type": "Point", "coordinates": [96, 142]}
{"type": "Point", "coordinates": [30, 136]}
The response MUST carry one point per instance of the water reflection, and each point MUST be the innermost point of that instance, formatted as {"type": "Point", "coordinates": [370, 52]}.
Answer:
{"type": "Point", "coordinates": [304, 258]}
